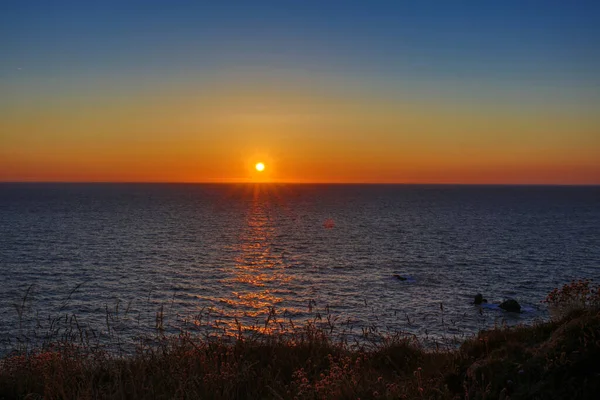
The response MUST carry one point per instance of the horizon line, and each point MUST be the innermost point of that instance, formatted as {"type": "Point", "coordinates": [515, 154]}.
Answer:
{"type": "Point", "coordinates": [300, 183]}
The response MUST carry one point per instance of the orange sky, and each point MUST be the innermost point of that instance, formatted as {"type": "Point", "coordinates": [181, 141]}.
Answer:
{"type": "Point", "coordinates": [302, 133]}
{"type": "Point", "coordinates": [394, 92]}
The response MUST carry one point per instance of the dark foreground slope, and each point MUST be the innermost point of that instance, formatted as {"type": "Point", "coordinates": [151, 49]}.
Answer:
{"type": "Point", "coordinates": [553, 360]}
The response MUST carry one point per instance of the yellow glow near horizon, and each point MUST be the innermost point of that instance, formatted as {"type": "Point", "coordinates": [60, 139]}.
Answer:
{"type": "Point", "coordinates": [299, 132]}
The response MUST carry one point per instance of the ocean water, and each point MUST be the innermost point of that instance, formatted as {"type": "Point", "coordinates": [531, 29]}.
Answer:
{"type": "Point", "coordinates": [217, 254]}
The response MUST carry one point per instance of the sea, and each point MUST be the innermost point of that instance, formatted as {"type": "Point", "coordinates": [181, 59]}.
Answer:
{"type": "Point", "coordinates": [128, 260]}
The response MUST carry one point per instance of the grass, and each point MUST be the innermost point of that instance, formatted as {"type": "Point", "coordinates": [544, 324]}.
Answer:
{"type": "Point", "coordinates": [557, 359]}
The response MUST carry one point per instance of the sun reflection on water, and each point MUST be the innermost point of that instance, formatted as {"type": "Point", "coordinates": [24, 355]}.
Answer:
{"type": "Point", "coordinates": [260, 267]}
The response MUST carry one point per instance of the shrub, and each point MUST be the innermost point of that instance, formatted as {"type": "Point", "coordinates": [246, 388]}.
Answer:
{"type": "Point", "coordinates": [577, 295]}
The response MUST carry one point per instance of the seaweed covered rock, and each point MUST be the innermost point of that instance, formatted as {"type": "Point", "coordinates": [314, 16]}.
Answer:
{"type": "Point", "coordinates": [479, 299]}
{"type": "Point", "coordinates": [510, 305]}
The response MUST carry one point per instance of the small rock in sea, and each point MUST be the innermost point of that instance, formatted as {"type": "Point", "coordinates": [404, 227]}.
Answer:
{"type": "Point", "coordinates": [479, 299]}
{"type": "Point", "coordinates": [400, 278]}
{"type": "Point", "coordinates": [510, 305]}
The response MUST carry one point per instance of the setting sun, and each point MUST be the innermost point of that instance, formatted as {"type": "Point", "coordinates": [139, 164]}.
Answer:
{"type": "Point", "coordinates": [260, 167]}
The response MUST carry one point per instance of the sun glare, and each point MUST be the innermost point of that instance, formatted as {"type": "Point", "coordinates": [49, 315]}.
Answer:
{"type": "Point", "coordinates": [260, 167]}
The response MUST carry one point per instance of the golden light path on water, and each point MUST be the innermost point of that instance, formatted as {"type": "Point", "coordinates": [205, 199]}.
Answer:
{"type": "Point", "coordinates": [260, 269]}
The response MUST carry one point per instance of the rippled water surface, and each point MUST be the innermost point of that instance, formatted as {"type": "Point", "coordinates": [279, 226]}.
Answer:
{"type": "Point", "coordinates": [238, 250]}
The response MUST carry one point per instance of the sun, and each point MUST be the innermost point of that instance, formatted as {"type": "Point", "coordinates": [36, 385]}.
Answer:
{"type": "Point", "coordinates": [260, 167]}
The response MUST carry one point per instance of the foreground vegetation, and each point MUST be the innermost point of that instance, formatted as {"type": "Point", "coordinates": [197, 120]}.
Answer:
{"type": "Point", "coordinates": [557, 359]}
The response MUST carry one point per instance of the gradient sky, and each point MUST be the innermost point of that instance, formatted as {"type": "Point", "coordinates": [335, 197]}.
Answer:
{"type": "Point", "coordinates": [321, 91]}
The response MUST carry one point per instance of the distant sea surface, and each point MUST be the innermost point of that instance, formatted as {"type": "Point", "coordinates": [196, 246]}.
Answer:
{"type": "Point", "coordinates": [237, 251]}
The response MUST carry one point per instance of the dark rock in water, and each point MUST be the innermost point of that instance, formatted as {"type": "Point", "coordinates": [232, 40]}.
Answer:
{"type": "Point", "coordinates": [479, 299]}
{"type": "Point", "coordinates": [510, 305]}
{"type": "Point", "coordinates": [400, 278]}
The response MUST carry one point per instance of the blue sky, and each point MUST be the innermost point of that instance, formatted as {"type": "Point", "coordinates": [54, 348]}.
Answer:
{"type": "Point", "coordinates": [494, 40]}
